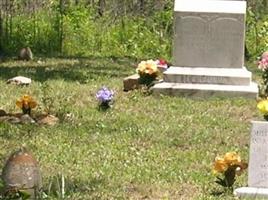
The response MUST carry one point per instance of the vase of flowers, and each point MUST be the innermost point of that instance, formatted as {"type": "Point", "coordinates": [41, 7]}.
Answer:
{"type": "Point", "coordinates": [148, 72]}
{"type": "Point", "coordinates": [105, 98]}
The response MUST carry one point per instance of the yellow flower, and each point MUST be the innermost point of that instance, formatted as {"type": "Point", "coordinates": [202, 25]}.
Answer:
{"type": "Point", "coordinates": [147, 67]}
{"type": "Point", "coordinates": [141, 67]}
{"type": "Point", "coordinates": [220, 165]}
{"type": "Point", "coordinates": [263, 106]}
{"type": "Point", "coordinates": [26, 102]}
{"type": "Point", "coordinates": [232, 158]}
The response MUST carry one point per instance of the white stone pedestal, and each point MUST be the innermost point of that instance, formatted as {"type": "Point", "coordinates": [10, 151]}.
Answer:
{"type": "Point", "coordinates": [251, 193]}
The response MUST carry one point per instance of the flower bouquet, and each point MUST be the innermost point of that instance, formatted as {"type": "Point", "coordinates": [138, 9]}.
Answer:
{"type": "Point", "coordinates": [26, 103]}
{"type": "Point", "coordinates": [148, 72]}
{"type": "Point", "coordinates": [105, 97]}
{"type": "Point", "coordinates": [228, 167]}
{"type": "Point", "coordinates": [263, 65]}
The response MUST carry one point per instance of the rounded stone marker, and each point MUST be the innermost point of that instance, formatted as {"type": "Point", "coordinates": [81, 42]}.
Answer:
{"type": "Point", "coordinates": [21, 172]}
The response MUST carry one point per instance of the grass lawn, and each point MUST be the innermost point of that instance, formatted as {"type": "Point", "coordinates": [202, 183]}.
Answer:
{"type": "Point", "coordinates": [144, 147]}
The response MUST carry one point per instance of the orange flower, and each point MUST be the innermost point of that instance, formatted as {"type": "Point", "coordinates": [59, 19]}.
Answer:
{"type": "Point", "coordinates": [147, 67]}
{"type": "Point", "coordinates": [220, 165]}
{"type": "Point", "coordinates": [26, 102]}
{"type": "Point", "coordinates": [232, 158]}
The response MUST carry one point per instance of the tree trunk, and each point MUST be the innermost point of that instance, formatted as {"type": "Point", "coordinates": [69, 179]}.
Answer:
{"type": "Point", "coordinates": [101, 7]}
{"type": "Point", "coordinates": [1, 34]}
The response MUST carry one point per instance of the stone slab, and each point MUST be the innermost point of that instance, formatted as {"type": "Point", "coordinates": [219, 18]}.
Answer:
{"type": "Point", "coordinates": [209, 33]}
{"type": "Point", "coordinates": [228, 76]}
{"type": "Point", "coordinates": [131, 82]}
{"type": "Point", "coordinates": [258, 159]}
{"type": "Point", "coordinates": [251, 193]}
{"type": "Point", "coordinates": [205, 90]}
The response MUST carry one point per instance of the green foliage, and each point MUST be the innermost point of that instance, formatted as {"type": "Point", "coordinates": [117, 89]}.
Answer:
{"type": "Point", "coordinates": [135, 37]}
{"type": "Point", "coordinates": [78, 31]}
{"type": "Point", "coordinates": [257, 33]}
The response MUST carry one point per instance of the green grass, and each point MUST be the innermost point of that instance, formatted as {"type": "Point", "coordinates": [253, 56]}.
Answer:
{"type": "Point", "coordinates": [144, 147]}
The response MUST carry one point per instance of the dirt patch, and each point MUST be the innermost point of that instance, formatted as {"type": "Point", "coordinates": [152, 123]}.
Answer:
{"type": "Point", "coordinates": [182, 191]}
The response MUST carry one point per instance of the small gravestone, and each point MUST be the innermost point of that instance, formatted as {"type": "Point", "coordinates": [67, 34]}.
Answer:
{"type": "Point", "coordinates": [258, 163]}
{"type": "Point", "coordinates": [21, 173]}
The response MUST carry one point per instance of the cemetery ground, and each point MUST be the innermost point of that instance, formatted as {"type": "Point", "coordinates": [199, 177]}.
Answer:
{"type": "Point", "coordinates": [144, 147]}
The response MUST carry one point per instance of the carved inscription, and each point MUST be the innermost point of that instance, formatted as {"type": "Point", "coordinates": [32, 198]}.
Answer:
{"type": "Point", "coordinates": [258, 163]}
{"type": "Point", "coordinates": [201, 79]}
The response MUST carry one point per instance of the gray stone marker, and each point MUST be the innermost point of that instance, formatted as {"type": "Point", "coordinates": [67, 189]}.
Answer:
{"type": "Point", "coordinates": [208, 52]}
{"type": "Point", "coordinates": [258, 163]}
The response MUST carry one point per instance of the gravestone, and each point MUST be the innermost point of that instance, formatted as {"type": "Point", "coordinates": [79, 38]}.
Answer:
{"type": "Point", "coordinates": [258, 163]}
{"type": "Point", "coordinates": [208, 51]}
{"type": "Point", "coordinates": [22, 173]}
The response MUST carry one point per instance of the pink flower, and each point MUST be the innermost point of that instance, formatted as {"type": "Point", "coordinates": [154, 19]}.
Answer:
{"type": "Point", "coordinates": [161, 63]}
{"type": "Point", "coordinates": [263, 63]}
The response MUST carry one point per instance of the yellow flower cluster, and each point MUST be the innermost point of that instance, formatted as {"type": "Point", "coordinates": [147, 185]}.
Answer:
{"type": "Point", "coordinates": [26, 102]}
{"type": "Point", "coordinates": [147, 67]}
{"type": "Point", "coordinates": [263, 106]}
{"type": "Point", "coordinates": [230, 159]}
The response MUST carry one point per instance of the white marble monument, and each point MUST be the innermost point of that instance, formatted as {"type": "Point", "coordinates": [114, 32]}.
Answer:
{"type": "Point", "coordinates": [258, 164]}
{"type": "Point", "coordinates": [208, 52]}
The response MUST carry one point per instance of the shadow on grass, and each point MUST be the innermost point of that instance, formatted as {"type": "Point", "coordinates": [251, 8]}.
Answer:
{"type": "Point", "coordinates": [70, 69]}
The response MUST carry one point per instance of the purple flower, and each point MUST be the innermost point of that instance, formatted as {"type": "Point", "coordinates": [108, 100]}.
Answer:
{"type": "Point", "coordinates": [104, 95]}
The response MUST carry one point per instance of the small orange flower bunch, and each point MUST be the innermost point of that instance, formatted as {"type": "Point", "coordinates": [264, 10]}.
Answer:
{"type": "Point", "coordinates": [26, 103]}
{"type": "Point", "coordinates": [229, 166]}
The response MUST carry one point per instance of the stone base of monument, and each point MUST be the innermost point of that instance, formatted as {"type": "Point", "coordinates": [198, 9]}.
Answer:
{"type": "Point", "coordinates": [205, 81]}
{"type": "Point", "coordinates": [251, 193]}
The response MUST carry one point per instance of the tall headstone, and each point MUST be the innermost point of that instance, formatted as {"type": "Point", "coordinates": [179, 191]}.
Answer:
{"type": "Point", "coordinates": [208, 52]}
{"type": "Point", "coordinates": [258, 163]}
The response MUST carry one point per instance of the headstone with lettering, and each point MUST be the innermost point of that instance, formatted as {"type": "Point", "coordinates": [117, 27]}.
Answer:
{"type": "Point", "coordinates": [208, 51]}
{"type": "Point", "coordinates": [258, 163]}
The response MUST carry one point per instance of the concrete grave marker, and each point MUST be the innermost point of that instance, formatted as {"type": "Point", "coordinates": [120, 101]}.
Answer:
{"type": "Point", "coordinates": [258, 163]}
{"type": "Point", "coordinates": [208, 52]}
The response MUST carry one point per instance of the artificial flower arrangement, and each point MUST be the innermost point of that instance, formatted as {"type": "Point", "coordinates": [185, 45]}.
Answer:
{"type": "Point", "coordinates": [263, 65]}
{"type": "Point", "coordinates": [105, 97]}
{"type": "Point", "coordinates": [262, 104]}
{"type": "Point", "coordinates": [227, 167]}
{"type": "Point", "coordinates": [26, 103]}
{"type": "Point", "coordinates": [149, 71]}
